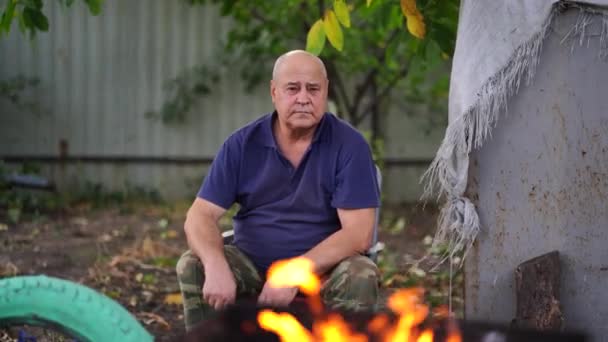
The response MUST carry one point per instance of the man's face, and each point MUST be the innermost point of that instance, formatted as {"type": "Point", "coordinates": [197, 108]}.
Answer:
{"type": "Point", "coordinates": [299, 92]}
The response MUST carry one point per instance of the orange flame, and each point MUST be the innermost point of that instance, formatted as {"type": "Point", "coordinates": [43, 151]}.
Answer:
{"type": "Point", "coordinates": [454, 336]}
{"type": "Point", "coordinates": [426, 336]}
{"type": "Point", "coordinates": [378, 324]}
{"type": "Point", "coordinates": [285, 325]}
{"type": "Point", "coordinates": [407, 304]}
{"type": "Point", "coordinates": [453, 333]}
{"type": "Point", "coordinates": [335, 329]}
{"type": "Point", "coordinates": [295, 272]}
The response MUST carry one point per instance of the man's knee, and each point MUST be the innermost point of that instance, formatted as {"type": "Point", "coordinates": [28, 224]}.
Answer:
{"type": "Point", "coordinates": [191, 273]}
{"type": "Point", "coordinates": [189, 270]}
{"type": "Point", "coordinates": [361, 274]}
{"type": "Point", "coordinates": [353, 284]}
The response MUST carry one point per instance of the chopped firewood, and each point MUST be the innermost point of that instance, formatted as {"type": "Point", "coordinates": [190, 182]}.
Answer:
{"type": "Point", "coordinates": [537, 283]}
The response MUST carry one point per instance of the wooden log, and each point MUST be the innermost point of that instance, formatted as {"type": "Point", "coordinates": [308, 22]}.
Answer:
{"type": "Point", "coordinates": [537, 283]}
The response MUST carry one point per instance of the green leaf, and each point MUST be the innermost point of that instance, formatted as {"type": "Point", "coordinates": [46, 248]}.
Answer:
{"type": "Point", "coordinates": [333, 30]}
{"type": "Point", "coordinates": [149, 279]}
{"type": "Point", "coordinates": [27, 21]}
{"type": "Point", "coordinates": [315, 40]}
{"type": "Point", "coordinates": [7, 16]}
{"type": "Point", "coordinates": [445, 37]}
{"type": "Point", "coordinates": [432, 52]}
{"type": "Point", "coordinates": [341, 10]}
{"type": "Point", "coordinates": [94, 6]}
{"type": "Point", "coordinates": [35, 4]}
{"type": "Point", "coordinates": [37, 18]}
{"type": "Point", "coordinates": [369, 2]}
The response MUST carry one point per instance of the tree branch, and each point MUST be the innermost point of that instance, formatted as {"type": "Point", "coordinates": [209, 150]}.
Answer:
{"type": "Point", "coordinates": [382, 94]}
{"type": "Point", "coordinates": [340, 90]}
{"type": "Point", "coordinates": [257, 15]}
{"type": "Point", "coordinates": [381, 56]}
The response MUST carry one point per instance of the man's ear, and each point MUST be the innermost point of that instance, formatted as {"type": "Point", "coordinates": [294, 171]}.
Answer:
{"type": "Point", "coordinates": [273, 89]}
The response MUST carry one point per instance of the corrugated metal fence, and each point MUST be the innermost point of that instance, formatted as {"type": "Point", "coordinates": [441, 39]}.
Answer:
{"type": "Point", "coordinates": [100, 75]}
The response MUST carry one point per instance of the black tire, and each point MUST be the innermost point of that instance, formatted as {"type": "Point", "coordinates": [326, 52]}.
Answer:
{"type": "Point", "coordinates": [75, 309]}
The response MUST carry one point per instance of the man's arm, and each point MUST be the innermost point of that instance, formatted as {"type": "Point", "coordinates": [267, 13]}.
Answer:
{"type": "Point", "coordinates": [205, 241]}
{"type": "Point", "coordinates": [354, 237]}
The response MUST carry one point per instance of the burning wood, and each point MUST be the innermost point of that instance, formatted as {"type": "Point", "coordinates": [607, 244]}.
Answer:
{"type": "Point", "coordinates": [404, 323]}
{"type": "Point", "coordinates": [406, 304]}
{"type": "Point", "coordinates": [408, 321]}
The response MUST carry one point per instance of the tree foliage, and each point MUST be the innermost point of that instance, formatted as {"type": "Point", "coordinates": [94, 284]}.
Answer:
{"type": "Point", "coordinates": [373, 49]}
{"type": "Point", "coordinates": [12, 89]}
{"type": "Point", "coordinates": [329, 25]}
{"type": "Point", "coordinates": [378, 49]}
{"type": "Point", "coordinates": [30, 16]}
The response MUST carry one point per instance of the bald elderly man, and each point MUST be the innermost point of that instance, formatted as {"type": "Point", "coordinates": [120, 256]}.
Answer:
{"type": "Point", "coordinates": [306, 185]}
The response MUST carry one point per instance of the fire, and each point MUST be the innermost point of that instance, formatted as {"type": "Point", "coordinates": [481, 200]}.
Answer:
{"type": "Point", "coordinates": [407, 304]}
{"type": "Point", "coordinates": [426, 336]}
{"type": "Point", "coordinates": [453, 333]}
{"type": "Point", "coordinates": [295, 272]}
{"type": "Point", "coordinates": [298, 272]}
{"type": "Point", "coordinates": [378, 324]}
{"type": "Point", "coordinates": [285, 325]}
{"type": "Point", "coordinates": [454, 336]}
{"type": "Point", "coordinates": [335, 329]}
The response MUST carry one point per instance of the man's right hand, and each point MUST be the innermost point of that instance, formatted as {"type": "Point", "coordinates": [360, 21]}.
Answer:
{"type": "Point", "coordinates": [219, 289]}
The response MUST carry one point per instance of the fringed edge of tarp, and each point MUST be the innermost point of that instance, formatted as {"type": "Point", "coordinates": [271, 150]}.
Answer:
{"type": "Point", "coordinates": [458, 223]}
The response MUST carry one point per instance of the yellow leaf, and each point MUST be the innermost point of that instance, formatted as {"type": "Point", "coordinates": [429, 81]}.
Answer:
{"type": "Point", "coordinates": [171, 234]}
{"type": "Point", "coordinates": [369, 2]}
{"type": "Point", "coordinates": [173, 299]}
{"type": "Point", "coordinates": [333, 30]}
{"type": "Point", "coordinates": [341, 10]}
{"type": "Point", "coordinates": [408, 7]}
{"type": "Point", "coordinates": [415, 20]}
{"type": "Point", "coordinates": [415, 24]}
{"type": "Point", "coordinates": [315, 40]}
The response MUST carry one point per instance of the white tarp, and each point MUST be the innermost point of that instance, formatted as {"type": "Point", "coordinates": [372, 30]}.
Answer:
{"type": "Point", "coordinates": [497, 47]}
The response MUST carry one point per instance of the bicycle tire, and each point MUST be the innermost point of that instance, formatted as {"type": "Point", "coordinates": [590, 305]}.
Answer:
{"type": "Point", "coordinates": [75, 309]}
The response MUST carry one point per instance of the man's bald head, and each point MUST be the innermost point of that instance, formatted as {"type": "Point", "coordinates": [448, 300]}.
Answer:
{"type": "Point", "coordinates": [295, 56]}
{"type": "Point", "coordinates": [299, 88]}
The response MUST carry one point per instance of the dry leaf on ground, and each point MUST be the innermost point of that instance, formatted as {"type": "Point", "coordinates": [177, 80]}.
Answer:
{"type": "Point", "coordinates": [173, 299]}
{"type": "Point", "coordinates": [149, 318]}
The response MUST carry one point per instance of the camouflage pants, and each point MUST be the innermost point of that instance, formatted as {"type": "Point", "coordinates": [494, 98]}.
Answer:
{"type": "Point", "coordinates": [351, 285]}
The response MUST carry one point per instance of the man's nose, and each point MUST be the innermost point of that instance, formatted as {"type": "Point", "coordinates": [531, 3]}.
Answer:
{"type": "Point", "coordinates": [303, 96]}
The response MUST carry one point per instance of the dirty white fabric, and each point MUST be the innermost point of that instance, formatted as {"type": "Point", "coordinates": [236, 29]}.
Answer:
{"type": "Point", "coordinates": [497, 48]}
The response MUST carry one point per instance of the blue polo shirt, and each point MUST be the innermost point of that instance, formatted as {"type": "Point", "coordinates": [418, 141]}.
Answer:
{"type": "Point", "coordinates": [284, 212]}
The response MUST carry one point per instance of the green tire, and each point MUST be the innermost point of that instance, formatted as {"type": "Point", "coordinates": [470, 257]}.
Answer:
{"type": "Point", "coordinates": [75, 309]}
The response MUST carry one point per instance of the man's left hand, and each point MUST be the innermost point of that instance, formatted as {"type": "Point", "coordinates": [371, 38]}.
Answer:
{"type": "Point", "coordinates": [277, 296]}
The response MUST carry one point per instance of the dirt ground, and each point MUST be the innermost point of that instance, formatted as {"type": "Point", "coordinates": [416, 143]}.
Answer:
{"type": "Point", "coordinates": [128, 252]}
